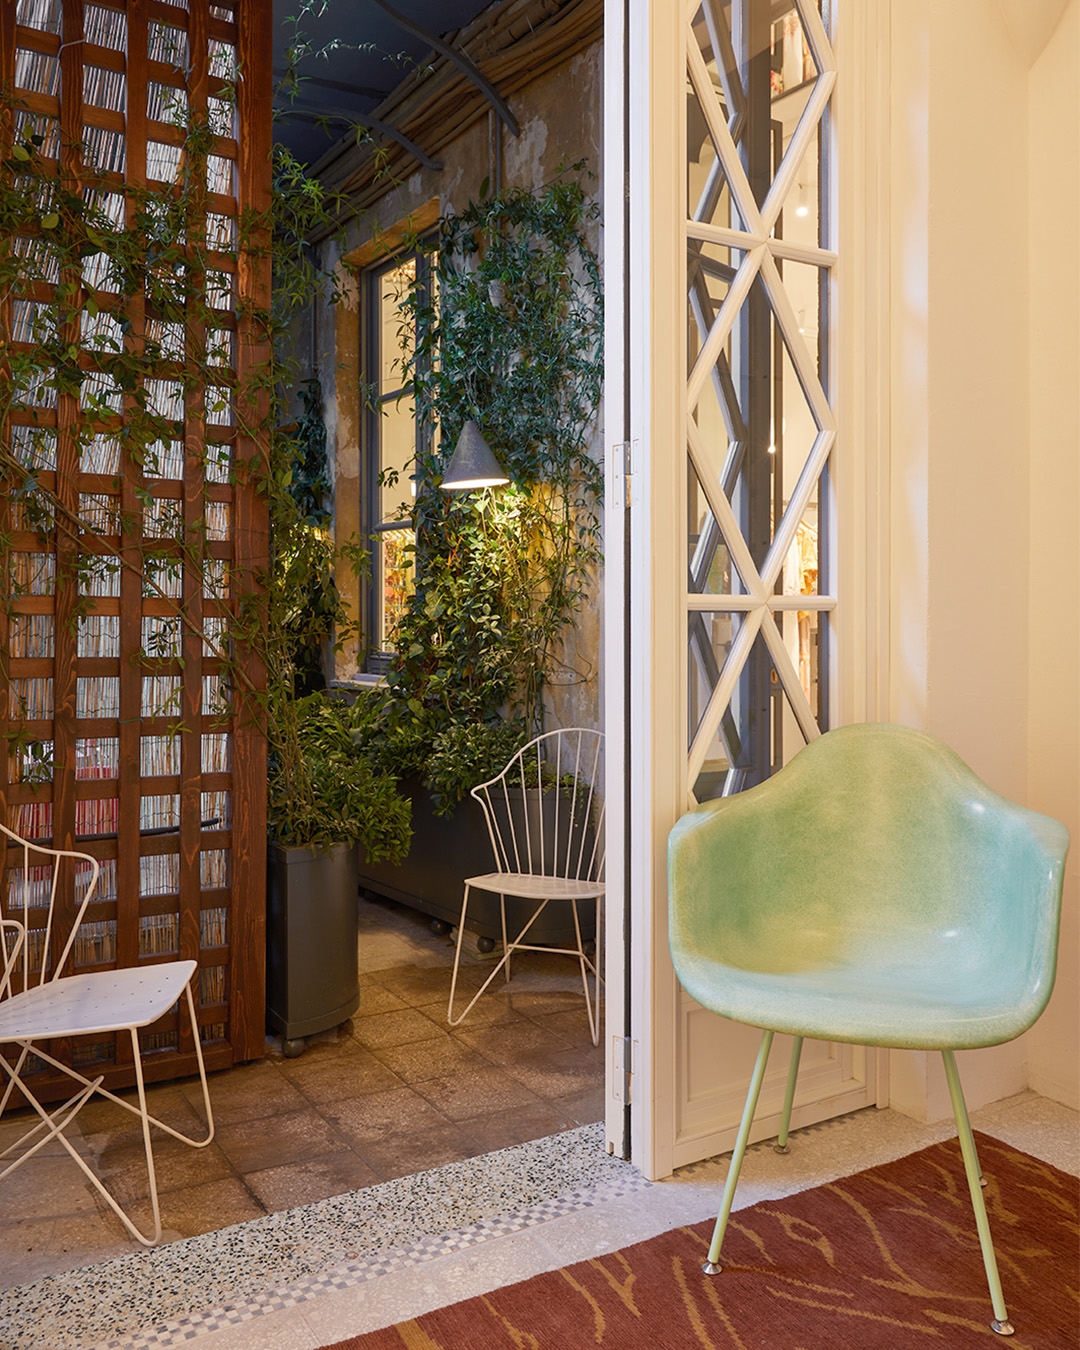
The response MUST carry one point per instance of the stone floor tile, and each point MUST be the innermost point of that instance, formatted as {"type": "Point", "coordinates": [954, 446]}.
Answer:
{"type": "Point", "coordinates": [404, 1155]}
{"type": "Point", "coordinates": [558, 1073]}
{"type": "Point", "coordinates": [430, 1059]}
{"type": "Point", "coordinates": [122, 1166]}
{"type": "Point", "coordinates": [585, 1107]}
{"type": "Point", "coordinates": [571, 1026]}
{"type": "Point", "coordinates": [246, 1092]}
{"type": "Point", "coordinates": [503, 1129]}
{"type": "Point", "coordinates": [375, 999]}
{"type": "Point", "coordinates": [513, 1041]}
{"type": "Point", "coordinates": [333, 1080]}
{"type": "Point", "coordinates": [252, 1145]}
{"type": "Point", "coordinates": [303, 1182]}
{"type": "Point", "coordinates": [24, 1249]}
{"type": "Point", "coordinates": [201, 1209]}
{"type": "Point", "coordinates": [399, 1114]}
{"type": "Point", "coordinates": [472, 1092]}
{"type": "Point", "coordinates": [46, 1186]}
{"type": "Point", "coordinates": [420, 987]}
{"type": "Point", "coordinates": [394, 1028]}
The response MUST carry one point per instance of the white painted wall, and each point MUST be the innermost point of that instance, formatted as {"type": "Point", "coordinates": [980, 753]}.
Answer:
{"type": "Point", "coordinates": [1053, 1045]}
{"type": "Point", "coordinates": [984, 445]}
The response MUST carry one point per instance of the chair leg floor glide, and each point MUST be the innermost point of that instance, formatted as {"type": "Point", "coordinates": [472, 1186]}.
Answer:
{"type": "Point", "coordinates": [1000, 1324]}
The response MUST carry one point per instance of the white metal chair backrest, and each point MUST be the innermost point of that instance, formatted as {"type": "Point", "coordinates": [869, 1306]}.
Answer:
{"type": "Point", "coordinates": [543, 814]}
{"type": "Point", "coordinates": [31, 888]}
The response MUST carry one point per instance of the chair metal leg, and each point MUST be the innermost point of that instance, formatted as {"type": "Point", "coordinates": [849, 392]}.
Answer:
{"type": "Point", "coordinates": [508, 950]}
{"type": "Point", "coordinates": [712, 1266]}
{"type": "Point", "coordinates": [781, 1145]}
{"type": "Point", "coordinates": [56, 1123]}
{"type": "Point", "coordinates": [1001, 1323]}
{"type": "Point", "coordinates": [592, 1006]}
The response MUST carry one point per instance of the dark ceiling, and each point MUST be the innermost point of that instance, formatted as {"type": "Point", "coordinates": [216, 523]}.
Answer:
{"type": "Point", "coordinates": [356, 54]}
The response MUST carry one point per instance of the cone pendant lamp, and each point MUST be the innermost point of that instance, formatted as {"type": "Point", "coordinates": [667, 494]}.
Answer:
{"type": "Point", "coordinates": [473, 463]}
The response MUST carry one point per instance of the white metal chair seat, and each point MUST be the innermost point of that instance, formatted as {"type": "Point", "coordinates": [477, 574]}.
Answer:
{"type": "Point", "coordinates": [107, 1000]}
{"type": "Point", "coordinates": [525, 887]}
{"type": "Point", "coordinates": [52, 1005]}
{"type": "Point", "coordinates": [545, 824]}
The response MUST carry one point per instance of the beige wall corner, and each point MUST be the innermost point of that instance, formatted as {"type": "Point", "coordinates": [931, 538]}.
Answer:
{"type": "Point", "coordinates": [986, 450]}
{"type": "Point", "coordinates": [1054, 648]}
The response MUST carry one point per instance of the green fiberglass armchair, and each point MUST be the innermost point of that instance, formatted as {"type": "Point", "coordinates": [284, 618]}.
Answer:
{"type": "Point", "coordinates": [874, 891]}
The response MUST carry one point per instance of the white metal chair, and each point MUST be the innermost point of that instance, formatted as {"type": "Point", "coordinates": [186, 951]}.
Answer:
{"type": "Point", "coordinates": [545, 823]}
{"type": "Point", "coordinates": [40, 1003]}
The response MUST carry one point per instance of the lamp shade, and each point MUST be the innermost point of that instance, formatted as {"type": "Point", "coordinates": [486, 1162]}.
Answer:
{"type": "Point", "coordinates": [473, 464]}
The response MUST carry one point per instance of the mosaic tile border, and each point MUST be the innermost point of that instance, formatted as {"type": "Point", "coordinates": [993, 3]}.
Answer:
{"type": "Point", "coordinates": [182, 1330]}
{"type": "Point", "coordinates": [169, 1288]}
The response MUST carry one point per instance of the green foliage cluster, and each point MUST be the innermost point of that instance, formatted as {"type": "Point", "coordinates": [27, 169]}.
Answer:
{"type": "Point", "coordinates": [352, 800]}
{"type": "Point", "coordinates": [510, 337]}
{"type": "Point", "coordinates": [134, 330]}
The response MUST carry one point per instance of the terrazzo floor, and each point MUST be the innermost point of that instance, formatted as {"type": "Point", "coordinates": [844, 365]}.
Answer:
{"type": "Point", "coordinates": [393, 1093]}
{"type": "Point", "coordinates": [306, 1278]}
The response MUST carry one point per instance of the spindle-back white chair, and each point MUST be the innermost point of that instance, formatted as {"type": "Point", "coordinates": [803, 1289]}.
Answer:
{"type": "Point", "coordinates": [40, 1003]}
{"type": "Point", "coordinates": [546, 826]}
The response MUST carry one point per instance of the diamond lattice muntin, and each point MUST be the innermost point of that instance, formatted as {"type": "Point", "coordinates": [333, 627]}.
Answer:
{"type": "Point", "coordinates": [760, 422]}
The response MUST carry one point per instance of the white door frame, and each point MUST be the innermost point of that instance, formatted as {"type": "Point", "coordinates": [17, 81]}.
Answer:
{"type": "Point", "coordinates": [645, 669]}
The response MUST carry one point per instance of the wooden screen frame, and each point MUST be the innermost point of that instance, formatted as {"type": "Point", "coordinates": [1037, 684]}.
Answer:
{"type": "Point", "coordinates": [233, 1023]}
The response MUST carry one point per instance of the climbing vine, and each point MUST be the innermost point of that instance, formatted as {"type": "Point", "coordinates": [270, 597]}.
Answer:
{"type": "Point", "coordinates": [510, 337]}
{"type": "Point", "coordinates": [117, 295]}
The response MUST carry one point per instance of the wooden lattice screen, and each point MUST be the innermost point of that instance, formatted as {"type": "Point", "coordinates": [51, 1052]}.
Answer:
{"type": "Point", "coordinates": [131, 744]}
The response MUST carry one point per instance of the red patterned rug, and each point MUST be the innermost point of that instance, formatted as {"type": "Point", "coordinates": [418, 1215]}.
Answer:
{"type": "Point", "coordinates": [887, 1258]}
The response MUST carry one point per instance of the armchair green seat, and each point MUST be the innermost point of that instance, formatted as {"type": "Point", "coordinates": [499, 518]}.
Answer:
{"type": "Point", "coordinates": [874, 891]}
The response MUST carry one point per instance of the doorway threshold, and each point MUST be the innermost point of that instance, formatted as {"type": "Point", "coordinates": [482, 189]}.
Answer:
{"type": "Point", "coordinates": [181, 1290]}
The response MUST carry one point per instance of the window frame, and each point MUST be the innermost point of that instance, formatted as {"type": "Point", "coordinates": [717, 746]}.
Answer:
{"type": "Point", "coordinates": [377, 656]}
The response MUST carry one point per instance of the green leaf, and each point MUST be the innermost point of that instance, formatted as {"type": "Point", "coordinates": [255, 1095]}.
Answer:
{"type": "Point", "coordinates": [20, 153]}
{"type": "Point", "coordinates": [50, 221]}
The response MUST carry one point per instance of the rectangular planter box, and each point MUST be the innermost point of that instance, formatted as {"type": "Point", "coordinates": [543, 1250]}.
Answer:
{"type": "Point", "coordinates": [446, 851]}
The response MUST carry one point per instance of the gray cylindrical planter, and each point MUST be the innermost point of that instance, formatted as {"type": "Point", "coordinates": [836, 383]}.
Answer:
{"type": "Point", "coordinates": [312, 980]}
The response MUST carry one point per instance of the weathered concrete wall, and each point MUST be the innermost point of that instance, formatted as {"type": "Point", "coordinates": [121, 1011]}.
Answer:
{"type": "Point", "coordinates": [560, 119]}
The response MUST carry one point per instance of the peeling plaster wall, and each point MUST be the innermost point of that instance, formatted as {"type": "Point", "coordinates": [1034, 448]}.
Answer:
{"type": "Point", "coordinates": [560, 119]}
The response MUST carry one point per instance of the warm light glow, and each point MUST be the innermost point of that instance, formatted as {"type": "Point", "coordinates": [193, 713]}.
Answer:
{"type": "Point", "coordinates": [468, 484]}
{"type": "Point", "coordinates": [802, 210]}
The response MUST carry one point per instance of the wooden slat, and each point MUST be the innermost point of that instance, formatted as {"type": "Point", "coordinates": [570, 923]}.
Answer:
{"type": "Point", "coordinates": [251, 532]}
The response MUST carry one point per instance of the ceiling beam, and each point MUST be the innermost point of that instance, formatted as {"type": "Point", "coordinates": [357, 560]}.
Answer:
{"type": "Point", "coordinates": [309, 113]}
{"type": "Point", "coordinates": [459, 59]}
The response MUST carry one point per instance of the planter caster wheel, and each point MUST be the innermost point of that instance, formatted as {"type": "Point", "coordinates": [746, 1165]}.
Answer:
{"type": "Point", "coordinates": [485, 945]}
{"type": "Point", "coordinates": [439, 927]}
{"type": "Point", "coordinates": [293, 1049]}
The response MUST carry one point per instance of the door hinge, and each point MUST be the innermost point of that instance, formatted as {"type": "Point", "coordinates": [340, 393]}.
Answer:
{"type": "Point", "coordinates": [621, 474]}
{"type": "Point", "coordinates": [622, 1067]}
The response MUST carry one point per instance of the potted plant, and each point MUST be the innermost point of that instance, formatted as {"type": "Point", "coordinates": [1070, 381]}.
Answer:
{"type": "Point", "coordinates": [324, 800]}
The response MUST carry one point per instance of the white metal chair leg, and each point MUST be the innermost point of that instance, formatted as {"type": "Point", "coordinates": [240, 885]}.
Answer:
{"type": "Point", "coordinates": [54, 1128]}
{"type": "Point", "coordinates": [508, 950]}
{"type": "Point", "coordinates": [506, 945]}
{"type": "Point", "coordinates": [592, 1005]}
